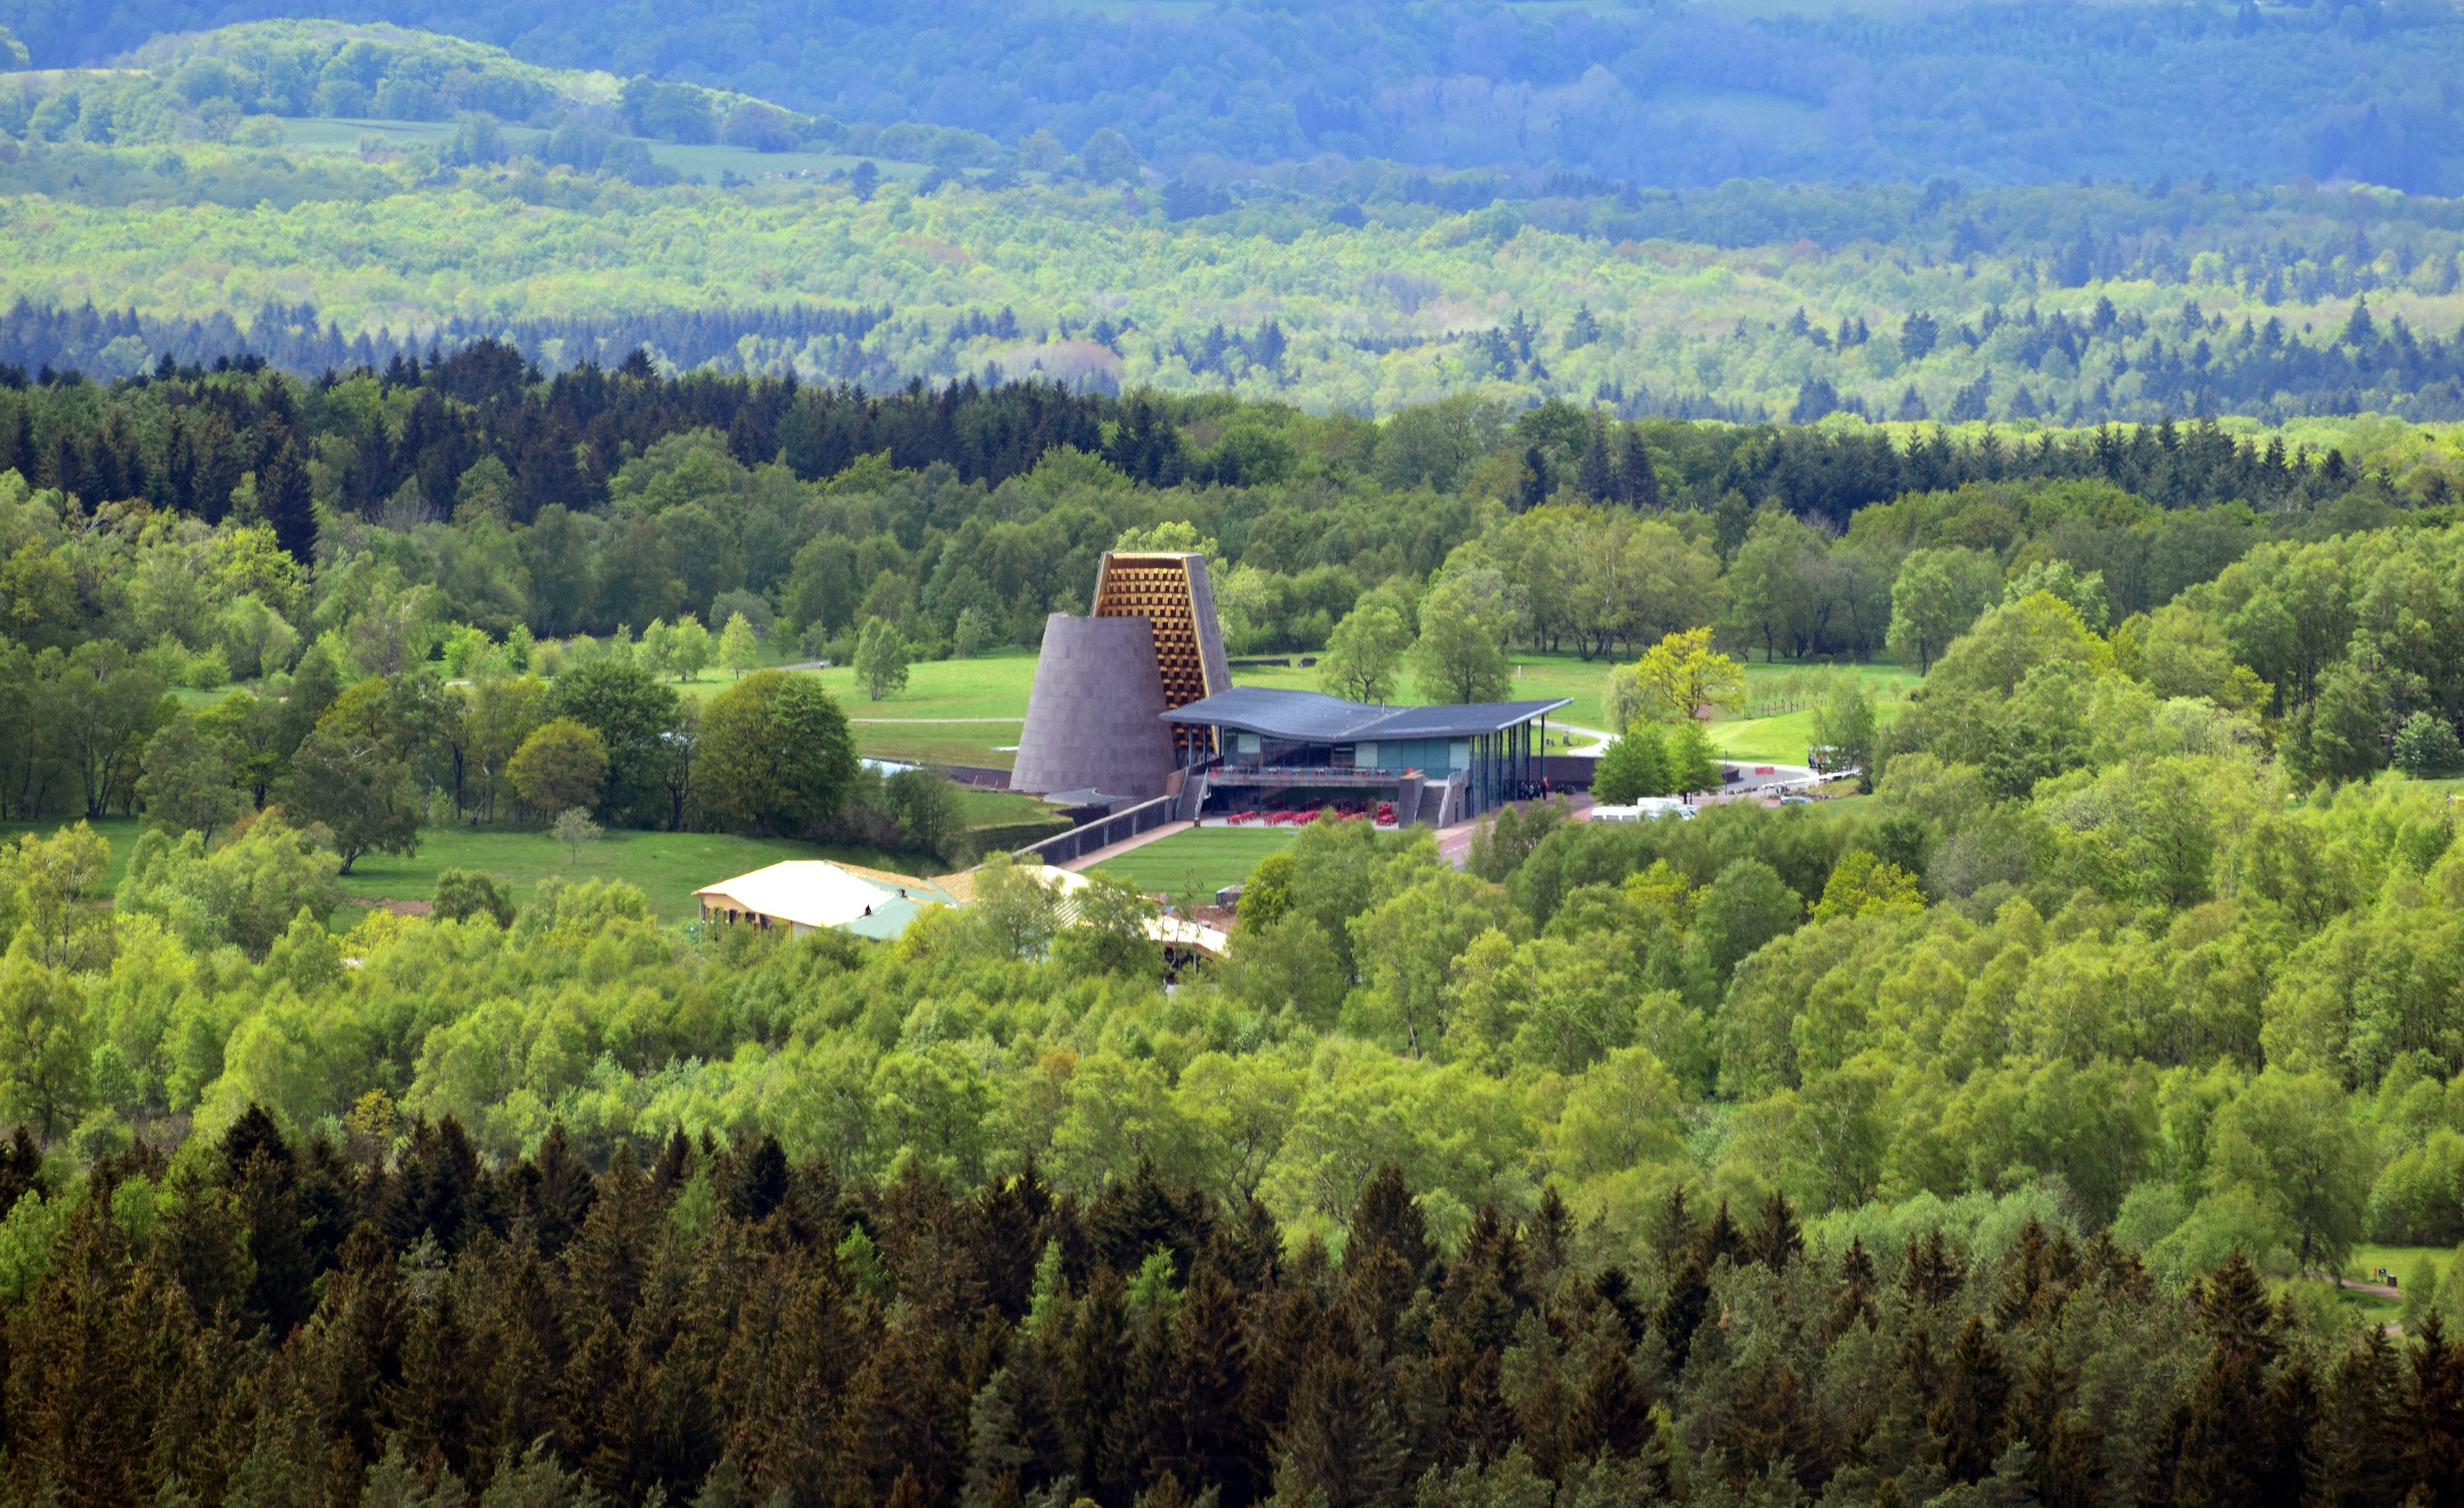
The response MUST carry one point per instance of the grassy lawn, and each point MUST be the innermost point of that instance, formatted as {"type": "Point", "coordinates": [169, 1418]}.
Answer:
{"type": "Point", "coordinates": [989, 685]}
{"type": "Point", "coordinates": [953, 712]}
{"type": "Point", "coordinates": [1199, 862]}
{"type": "Point", "coordinates": [121, 832]}
{"type": "Point", "coordinates": [2409, 1263]}
{"type": "Point", "coordinates": [668, 867]}
{"type": "Point", "coordinates": [2403, 1261]}
{"type": "Point", "coordinates": [1783, 740]}
{"type": "Point", "coordinates": [1536, 678]}
{"type": "Point", "coordinates": [1584, 683]}
{"type": "Point", "coordinates": [969, 712]}
{"type": "Point", "coordinates": [999, 808]}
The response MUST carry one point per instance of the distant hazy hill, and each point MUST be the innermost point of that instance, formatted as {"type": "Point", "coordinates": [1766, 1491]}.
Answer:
{"type": "Point", "coordinates": [1653, 93]}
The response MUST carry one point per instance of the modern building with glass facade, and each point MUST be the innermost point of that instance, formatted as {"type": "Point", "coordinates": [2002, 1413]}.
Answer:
{"type": "Point", "coordinates": [1135, 701]}
{"type": "Point", "coordinates": [1433, 764]}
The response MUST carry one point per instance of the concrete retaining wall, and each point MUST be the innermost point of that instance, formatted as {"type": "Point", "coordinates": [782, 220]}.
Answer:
{"type": "Point", "coordinates": [1119, 828]}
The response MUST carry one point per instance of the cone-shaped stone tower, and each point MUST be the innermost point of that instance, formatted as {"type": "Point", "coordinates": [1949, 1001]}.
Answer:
{"type": "Point", "coordinates": [1103, 682]}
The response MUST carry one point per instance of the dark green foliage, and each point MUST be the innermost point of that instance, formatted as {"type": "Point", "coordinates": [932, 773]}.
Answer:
{"type": "Point", "coordinates": [465, 894]}
{"type": "Point", "coordinates": [632, 711]}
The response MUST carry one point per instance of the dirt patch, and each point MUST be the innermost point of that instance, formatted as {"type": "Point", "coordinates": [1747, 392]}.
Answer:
{"type": "Point", "coordinates": [378, 903]}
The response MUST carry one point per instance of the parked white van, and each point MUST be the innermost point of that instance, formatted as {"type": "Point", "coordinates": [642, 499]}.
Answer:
{"type": "Point", "coordinates": [1649, 809]}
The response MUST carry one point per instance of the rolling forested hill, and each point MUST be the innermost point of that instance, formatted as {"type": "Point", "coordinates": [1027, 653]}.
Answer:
{"type": "Point", "coordinates": [1657, 92]}
{"type": "Point", "coordinates": [333, 194]}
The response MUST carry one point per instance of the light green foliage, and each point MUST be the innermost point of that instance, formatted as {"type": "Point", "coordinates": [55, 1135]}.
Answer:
{"type": "Point", "coordinates": [465, 894]}
{"type": "Point", "coordinates": [1936, 596]}
{"type": "Point", "coordinates": [465, 650]}
{"type": "Point", "coordinates": [46, 1042]}
{"type": "Point", "coordinates": [2425, 745]}
{"type": "Point", "coordinates": [559, 764]}
{"type": "Point", "coordinates": [1408, 944]}
{"type": "Point", "coordinates": [1366, 650]}
{"type": "Point", "coordinates": [881, 659]}
{"type": "Point", "coordinates": [26, 1236]}
{"type": "Point", "coordinates": [1048, 1292]}
{"type": "Point", "coordinates": [656, 653]}
{"type": "Point", "coordinates": [44, 882]}
{"type": "Point", "coordinates": [1284, 964]}
{"type": "Point", "coordinates": [1682, 678]}
{"type": "Point", "coordinates": [689, 648]}
{"type": "Point", "coordinates": [967, 636]}
{"type": "Point", "coordinates": [1015, 908]}
{"type": "Point", "coordinates": [1461, 654]}
{"type": "Point", "coordinates": [1845, 725]}
{"type": "Point", "coordinates": [244, 893]}
{"type": "Point", "coordinates": [1152, 1293]}
{"type": "Point", "coordinates": [1235, 1108]}
{"type": "Point", "coordinates": [1860, 882]}
{"type": "Point", "coordinates": [2083, 591]}
{"type": "Point", "coordinates": [576, 831]}
{"type": "Point", "coordinates": [1635, 766]}
{"type": "Point", "coordinates": [1693, 760]}
{"type": "Point", "coordinates": [1745, 907]}
{"type": "Point", "coordinates": [737, 648]}
{"type": "Point", "coordinates": [2291, 1141]}
{"type": "Point", "coordinates": [1621, 1116]}
{"type": "Point", "coordinates": [1107, 931]}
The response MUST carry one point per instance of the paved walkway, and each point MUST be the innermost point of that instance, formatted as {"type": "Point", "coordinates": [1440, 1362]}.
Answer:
{"type": "Point", "coordinates": [1454, 844]}
{"type": "Point", "coordinates": [1115, 850]}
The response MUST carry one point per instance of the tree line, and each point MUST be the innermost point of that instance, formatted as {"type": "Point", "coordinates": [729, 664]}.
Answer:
{"type": "Point", "coordinates": [392, 1317]}
{"type": "Point", "coordinates": [1535, 93]}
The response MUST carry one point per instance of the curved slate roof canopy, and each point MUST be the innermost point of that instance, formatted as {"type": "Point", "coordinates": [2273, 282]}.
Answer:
{"type": "Point", "coordinates": [1312, 717]}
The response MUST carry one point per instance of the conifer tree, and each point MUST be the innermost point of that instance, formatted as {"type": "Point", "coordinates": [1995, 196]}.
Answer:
{"type": "Point", "coordinates": [1775, 1241]}
{"type": "Point", "coordinates": [197, 1243]}
{"type": "Point", "coordinates": [1613, 1415]}
{"type": "Point", "coordinates": [761, 1183]}
{"type": "Point", "coordinates": [610, 1261]}
{"type": "Point", "coordinates": [1931, 1271]}
{"type": "Point", "coordinates": [1212, 1442]}
{"type": "Point", "coordinates": [277, 1299]}
{"type": "Point", "coordinates": [1852, 1296]}
{"type": "Point", "coordinates": [1343, 1446]}
{"type": "Point", "coordinates": [1966, 1419]}
{"type": "Point", "coordinates": [1722, 1238]}
{"type": "Point", "coordinates": [1597, 474]}
{"type": "Point", "coordinates": [1385, 1216]}
{"type": "Point", "coordinates": [284, 502]}
{"type": "Point", "coordinates": [1637, 484]}
{"type": "Point", "coordinates": [2065, 1464]}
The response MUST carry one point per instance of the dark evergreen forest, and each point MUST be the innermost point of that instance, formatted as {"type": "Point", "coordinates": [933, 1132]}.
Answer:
{"type": "Point", "coordinates": [181, 439]}
{"type": "Point", "coordinates": [319, 1323]}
